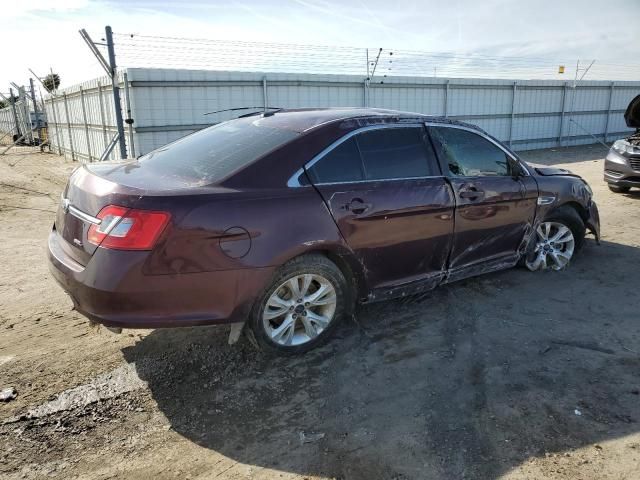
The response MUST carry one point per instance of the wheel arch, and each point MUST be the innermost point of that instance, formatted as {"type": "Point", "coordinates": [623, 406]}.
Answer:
{"type": "Point", "coordinates": [345, 260]}
{"type": "Point", "coordinates": [580, 210]}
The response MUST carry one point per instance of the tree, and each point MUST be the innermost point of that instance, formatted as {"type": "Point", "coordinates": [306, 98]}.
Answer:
{"type": "Point", "coordinates": [3, 104]}
{"type": "Point", "coordinates": [51, 82]}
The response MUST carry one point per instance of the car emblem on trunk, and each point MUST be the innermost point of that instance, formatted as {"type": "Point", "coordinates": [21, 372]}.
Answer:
{"type": "Point", "coordinates": [65, 205]}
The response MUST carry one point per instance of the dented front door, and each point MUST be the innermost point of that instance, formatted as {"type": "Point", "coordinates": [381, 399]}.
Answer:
{"type": "Point", "coordinates": [492, 217]}
{"type": "Point", "coordinates": [495, 199]}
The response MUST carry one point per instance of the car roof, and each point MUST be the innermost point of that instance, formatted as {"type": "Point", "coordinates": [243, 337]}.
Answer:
{"type": "Point", "coordinates": [305, 119]}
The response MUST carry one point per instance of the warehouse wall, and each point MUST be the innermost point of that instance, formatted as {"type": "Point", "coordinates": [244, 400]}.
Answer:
{"type": "Point", "coordinates": [168, 104]}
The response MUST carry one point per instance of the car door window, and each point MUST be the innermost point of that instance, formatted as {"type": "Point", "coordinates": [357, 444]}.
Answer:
{"type": "Point", "coordinates": [467, 154]}
{"type": "Point", "coordinates": [378, 154]}
{"type": "Point", "coordinates": [340, 165]}
{"type": "Point", "coordinates": [390, 153]}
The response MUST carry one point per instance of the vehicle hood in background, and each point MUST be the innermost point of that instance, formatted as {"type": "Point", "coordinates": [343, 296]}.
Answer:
{"type": "Point", "coordinates": [632, 115]}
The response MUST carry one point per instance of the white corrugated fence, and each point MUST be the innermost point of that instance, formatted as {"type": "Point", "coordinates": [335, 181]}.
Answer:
{"type": "Point", "coordinates": [168, 104]}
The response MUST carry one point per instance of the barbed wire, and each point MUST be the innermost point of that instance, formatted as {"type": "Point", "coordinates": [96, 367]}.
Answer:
{"type": "Point", "coordinates": [153, 51]}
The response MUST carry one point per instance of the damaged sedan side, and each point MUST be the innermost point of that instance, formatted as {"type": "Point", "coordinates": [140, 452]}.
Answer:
{"type": "Point", "coordinates": [281, 222]}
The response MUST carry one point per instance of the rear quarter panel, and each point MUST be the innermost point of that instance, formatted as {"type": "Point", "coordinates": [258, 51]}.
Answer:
{"type": "Point", "coordinates": [241, 230]}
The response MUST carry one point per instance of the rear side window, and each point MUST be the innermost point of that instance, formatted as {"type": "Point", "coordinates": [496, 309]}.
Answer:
{"type": "Point", "coordinates": [395, 153]}
{"type": "Point", "coordinates": [467, 154]}
{"type": "Point", "coordinates": [380, 154]}
{"type": "Point", "coordinates": [342, 164]}
{"type": "Point", "coordinates": [212, 154]}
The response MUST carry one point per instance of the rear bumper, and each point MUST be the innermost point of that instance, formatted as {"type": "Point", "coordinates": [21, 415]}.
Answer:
{"type": "Point", "coordinates": [619, 170]}
{"type": "Point", "coordinates": [111, 289]}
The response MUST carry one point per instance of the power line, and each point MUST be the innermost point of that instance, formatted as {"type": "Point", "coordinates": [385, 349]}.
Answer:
{"type": "Point", "coordinates": [156, 51]}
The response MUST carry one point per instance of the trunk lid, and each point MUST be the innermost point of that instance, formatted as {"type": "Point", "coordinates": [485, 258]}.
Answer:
{"type": "Point", "coordinates": [632, 115]}
{"type": "Point", "coordinates": [84, 196]}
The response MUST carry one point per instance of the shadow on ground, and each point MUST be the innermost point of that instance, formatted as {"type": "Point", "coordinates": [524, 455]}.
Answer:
{"type": "Point", "coordinates": [467, 381]}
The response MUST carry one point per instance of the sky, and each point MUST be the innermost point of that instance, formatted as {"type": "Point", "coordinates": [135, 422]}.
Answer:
{"type": "Point", "coordinates": [43, 34]}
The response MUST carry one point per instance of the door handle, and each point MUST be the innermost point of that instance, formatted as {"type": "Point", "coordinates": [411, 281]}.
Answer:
{"type": "Point", "coordinates": [470, 193]}
{"type": "Point", "coordinates": [357, 206]}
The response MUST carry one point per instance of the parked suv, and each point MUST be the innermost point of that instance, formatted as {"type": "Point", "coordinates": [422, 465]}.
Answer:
{"type": "Point", "coordinates": [285, 220]}
{"type": "Point", "coordinates": [622, 164]}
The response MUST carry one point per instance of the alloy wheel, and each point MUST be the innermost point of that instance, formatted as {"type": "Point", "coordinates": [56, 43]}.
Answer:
{"type": "Point", "coordinates": [554, 248]}
{"type": "Point", "coordinates": [299, 310]}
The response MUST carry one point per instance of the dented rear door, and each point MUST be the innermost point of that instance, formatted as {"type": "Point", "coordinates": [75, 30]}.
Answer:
{"type": "Point", "coordinates": [400, 228]}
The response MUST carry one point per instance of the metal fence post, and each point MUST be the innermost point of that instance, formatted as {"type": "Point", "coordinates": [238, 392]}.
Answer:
{"type": "Point", "coordinates": [24, 113]}
{"type": "Point", "coordinates": [15, 113]}
{"type": "Point", "coordinates": [66, 111]}
{"type": "Point", "coordinates": [129, 120]}
{"type": "Point", "coordinates": [513, 112]}
{"type": "Point", "coordinates": [86, 124]}
{"type": "Point", "coordinates": [606, 123]}
{"type": "Point", "coordinates": [446, 98]}
{"type": "Point", "coordinates": [364, 93]}
{"type": "Point", "coordinates": [367, 80]}
{"type": "Point", "coordinates": [55, 122]}
{"type": "Point", "coordinates": [35, 108]}
{"type": "Point", "coordinates": [265, 97]}
{"type": "Point", "coordinates": [116, 92]}
{"type": "Point", "coordinates": [102, 116]}
{"type": "Point", "coordinates": [564, 102]}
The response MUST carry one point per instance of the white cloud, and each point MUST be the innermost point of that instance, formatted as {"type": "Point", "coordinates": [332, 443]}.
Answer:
{"type": "Point", "coordinates": [11, 9]}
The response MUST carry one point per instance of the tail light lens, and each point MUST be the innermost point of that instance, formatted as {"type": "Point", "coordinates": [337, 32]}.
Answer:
{"type": "Point", "coordinates": [127, 229]}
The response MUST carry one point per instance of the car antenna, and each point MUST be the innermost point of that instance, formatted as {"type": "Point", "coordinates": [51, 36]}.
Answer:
{"type": "Point", "coordinates": [243, 108]}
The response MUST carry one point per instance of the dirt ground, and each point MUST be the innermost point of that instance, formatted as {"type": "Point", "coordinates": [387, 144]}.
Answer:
{"type": "Point", "coordinates": [514, 375]}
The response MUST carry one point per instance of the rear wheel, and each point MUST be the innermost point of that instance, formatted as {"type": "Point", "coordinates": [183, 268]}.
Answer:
{"type": "Point", "coordinates": [618, 189]}
{"type": "Point", "coordinates": [557, 239]}
{"type": "Point", "coordinates": [301, 308]}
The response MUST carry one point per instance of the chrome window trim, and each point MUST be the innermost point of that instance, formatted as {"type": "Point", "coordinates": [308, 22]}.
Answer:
{"type": "Point", "coordinates": [483, 135]}
{"type": "Point", "coordinates": [294, 180]}
{"type": "Point", "coordinates": [354, 182]}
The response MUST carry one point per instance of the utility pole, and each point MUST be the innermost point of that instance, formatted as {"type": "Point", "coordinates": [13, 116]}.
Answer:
{"type": "Point", "coordinates": [576, 80]}
{"type": "Point", "coordinates": [110, 68]}
{"type": "Point", "coordinates": [116, 92]}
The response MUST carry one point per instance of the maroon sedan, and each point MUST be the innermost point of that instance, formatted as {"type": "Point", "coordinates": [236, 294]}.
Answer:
{"type": "Point", "coordinates": [285, 220]}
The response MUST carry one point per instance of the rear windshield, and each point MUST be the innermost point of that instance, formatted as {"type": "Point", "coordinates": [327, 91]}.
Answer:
{"type": "Point", "coordinates": [211, 155]}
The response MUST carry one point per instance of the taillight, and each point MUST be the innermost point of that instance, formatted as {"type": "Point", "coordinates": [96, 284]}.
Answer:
{"type": "Point", "coordinates": [127, 229]}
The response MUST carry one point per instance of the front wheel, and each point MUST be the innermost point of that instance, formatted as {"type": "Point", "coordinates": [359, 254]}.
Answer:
{"type": "Point", "coordinates": [557, 239]}
{"type": "Point", "coordinates": [617, 189]}
{"type": "Point", "coordinates": [302, 306]}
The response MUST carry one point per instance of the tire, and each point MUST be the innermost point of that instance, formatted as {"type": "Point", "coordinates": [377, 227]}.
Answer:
{"type": "Point", "coordinates": [266, 316]}
{"type": "Point", "coordinates": [618, 189]}
{"type": "Point", "coordinates": [561, 251]}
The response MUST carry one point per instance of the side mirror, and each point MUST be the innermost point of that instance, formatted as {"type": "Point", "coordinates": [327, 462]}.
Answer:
{"type": "Point", "coordinates": [516, 169]}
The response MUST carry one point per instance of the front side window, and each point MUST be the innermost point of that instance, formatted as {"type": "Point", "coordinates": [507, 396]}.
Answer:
{"type": "Point", "coordinates": [467, 154]}
{"type": "Point", "coordinates": [379, 154]}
